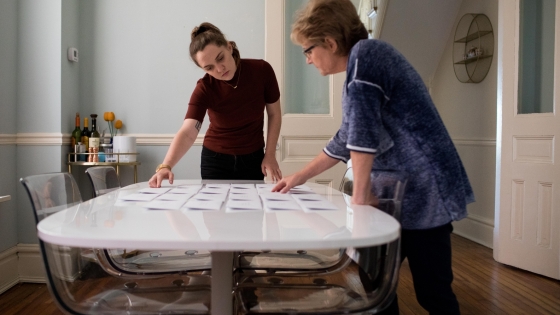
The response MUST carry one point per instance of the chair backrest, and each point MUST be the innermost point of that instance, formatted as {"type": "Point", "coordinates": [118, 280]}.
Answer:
{"type": "Point", "coordinates": [387, 185]}
{"type": "Point", "coordinates": [50, 193]}
{"type": "Point", "coordinates": [104, 179]}
{"type": "Point", "coordinates": [380, 264]}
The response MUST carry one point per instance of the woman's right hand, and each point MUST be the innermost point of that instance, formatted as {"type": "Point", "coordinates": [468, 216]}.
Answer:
{"type": "Point", "coordinates": [157, 179]}
{"type": "Point", "coordinates": [286, 183]}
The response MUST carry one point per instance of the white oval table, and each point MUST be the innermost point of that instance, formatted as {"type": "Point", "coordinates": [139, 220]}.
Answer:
{"type": "Point", "coordinates": [108, 222]}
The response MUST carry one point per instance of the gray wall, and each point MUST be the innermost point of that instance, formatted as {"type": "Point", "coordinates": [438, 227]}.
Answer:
{"type": "Point", "coordinates": [134, 57]}
{"type": "Point", "coordinates": [39, 100]}
{"type": "Point", "coordinates": [8, 99]}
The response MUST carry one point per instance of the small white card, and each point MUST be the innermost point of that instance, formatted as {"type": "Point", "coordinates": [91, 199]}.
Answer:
{"type": "Point", "coordinates": [165, 204]}
{"type": "Point", "coordinates": [265, 188]}
{"type": "Point", "coordinates": [213, 191]}
{"type": "Point", "coordinates": [138, 197]}
{"type": "Point", "coordinates": [210, 196]}
{"type": "Point", "coordinates": [182, 191]}
{"type": "Point", "coordinates": [301, 189]}
{"type": "Point", "coordinates": [161, 190]}
{"type": "Point", "coordinates": [318, 205]}
{"type": "Point", "coordinates": [242, 186]}
{"type": "Point", "coordinates": [246, 197]}
{"type": "Point", "coordinates": [309, 197]}
{"type": "Point", "coordinates": [281, 206]}
{"type": "Point", "coordinates": [276, 197]}
{"type": "Point", "coordinates": [174, 197]}
{"type": "Point", "coordinates": [218, 186]}
{"type": "Point", "coordinates": [203, 205]}
{"type": "Point", "coordinates": [243, 205]}
{"type": "Point", "coordinates": [190, 187]}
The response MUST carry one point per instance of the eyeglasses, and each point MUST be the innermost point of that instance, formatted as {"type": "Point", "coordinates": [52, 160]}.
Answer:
{"type": "Point", "coordinates": [307, 51]}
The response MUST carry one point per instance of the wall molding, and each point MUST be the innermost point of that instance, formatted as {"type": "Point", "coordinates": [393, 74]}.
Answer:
{"type": "Point", "coordinates": [477, 142]}
{"type": "Point", "coordinates": [56, 139]}
{"type": "Point", "coordinates": [482, 228]}
{"type": "Point", "coordinates": [21, 263]}
{"type": "Point", "coordinates": [30, 263]}
{"type": "Point", "coordinates": [145, 139]}
{"type": "Point", "coordinates": [7, 139]}
{"type": "Point", "coordinates": [42, 139]}
{"type": "Point", "coordinates": [9, 275]}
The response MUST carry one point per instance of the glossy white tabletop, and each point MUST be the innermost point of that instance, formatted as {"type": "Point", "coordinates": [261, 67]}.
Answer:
{"type": "Point", "coordinates": [104, 222]}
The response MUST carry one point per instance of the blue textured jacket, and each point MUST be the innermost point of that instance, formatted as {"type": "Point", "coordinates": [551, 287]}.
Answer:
{"type": "Point", "coordinates": [387, 111]}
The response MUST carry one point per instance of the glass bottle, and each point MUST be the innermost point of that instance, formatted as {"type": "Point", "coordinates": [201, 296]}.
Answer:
{"type": "Point", "coordinates": [94, 138]}
{"type": "Point", "coordinates": [77, 133]}
{"type": "Point", "coordinates": [85, 134]}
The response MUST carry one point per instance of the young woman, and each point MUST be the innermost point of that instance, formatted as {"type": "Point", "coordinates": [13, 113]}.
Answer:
{"type": "Point", "coordinates": [389, 122]}
{"type": "Point", "coordinates": [235, 93]}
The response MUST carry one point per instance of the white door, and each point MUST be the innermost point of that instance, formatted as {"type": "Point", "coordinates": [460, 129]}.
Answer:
{"type": "Point", "coordinates": [527, 230]}
{"type": "Point", "coordinates": [311, 104]}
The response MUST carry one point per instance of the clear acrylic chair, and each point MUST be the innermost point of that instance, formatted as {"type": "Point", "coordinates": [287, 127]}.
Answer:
{"type": "Point", "coordinates": [126, 262]}
{"type": "Point", "coordinates": [304, 260]}
{"type": "Point", "coordinates": [81, 287]}
{"type": "Point", "coordinates": [104, 179]}
{"type": "Point", "coordinates": [365, 285]}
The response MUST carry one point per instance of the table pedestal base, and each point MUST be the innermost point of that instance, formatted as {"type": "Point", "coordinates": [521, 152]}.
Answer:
{"type": "Point", "coordinates": [222, 283]}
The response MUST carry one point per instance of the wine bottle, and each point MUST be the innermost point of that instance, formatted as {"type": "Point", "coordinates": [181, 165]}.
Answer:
{"type": "Point", "coordinates": [85, 138]}
{"type": "Point", "coordinates": [85, 134]}
{"type": "Point", "coordinates": [77, 133]}
{"type": "Point", "coordinates": [94, 139]}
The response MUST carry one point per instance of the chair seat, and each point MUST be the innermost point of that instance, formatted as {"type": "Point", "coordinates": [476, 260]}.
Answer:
{"type": "Point", "coordinates": [347, 290]}
{"type": "Point", "coordinates": [300, 298]}
{"type": "Point", "coordinates": [289, 260]}
{"type": "Point", "coordinates": [160, 261]}
{"type": "Point", "coordinates": [94, 291]}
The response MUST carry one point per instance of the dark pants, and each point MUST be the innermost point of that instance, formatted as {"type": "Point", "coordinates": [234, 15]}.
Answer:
{"type": "Point", "coordinates": [214, 165]}
{"type": "Point", "coordinates": [429, 257]}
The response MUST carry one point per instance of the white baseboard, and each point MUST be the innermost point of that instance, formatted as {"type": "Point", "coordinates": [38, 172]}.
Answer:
{"type": "Point", "coordinates": [9, 275]}
{"type": "Point", "coordinates": [21, 263]}
{"type": "Point", "coordinates": [477, 229]}
{"type": "Point", "coordinates": [30, 264]}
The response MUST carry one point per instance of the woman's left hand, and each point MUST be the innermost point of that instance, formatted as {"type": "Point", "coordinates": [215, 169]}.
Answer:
{"type": "Point", "coordinates": [270, 167]}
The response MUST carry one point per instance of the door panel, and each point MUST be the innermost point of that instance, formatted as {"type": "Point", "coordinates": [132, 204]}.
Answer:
{"type": "Point", "coordinates": [527, 233]}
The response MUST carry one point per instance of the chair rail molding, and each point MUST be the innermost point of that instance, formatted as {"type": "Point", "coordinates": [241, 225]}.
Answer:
{"type": "Point", "coordinates": [42, 139]}
{"type": "Point", "coordinates": [53, 139]}
{"type": "Point", "coordinates": [7, 139]}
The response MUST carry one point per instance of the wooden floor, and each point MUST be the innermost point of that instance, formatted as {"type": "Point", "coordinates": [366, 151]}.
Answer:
{"type": "Point", "coordinates": [482, 286]}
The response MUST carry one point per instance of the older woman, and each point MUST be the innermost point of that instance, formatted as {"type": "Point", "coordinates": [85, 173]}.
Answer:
{"type": "Point", "coordinates": [235, 93]}
{"type": "Point", "coordinates": [389, 122]}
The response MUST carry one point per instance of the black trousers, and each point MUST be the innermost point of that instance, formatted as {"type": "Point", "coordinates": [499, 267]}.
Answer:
{"type": "Point", "coordinates": [214, 165]}
{"type": "Point", "coordinates": [429, 257]}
